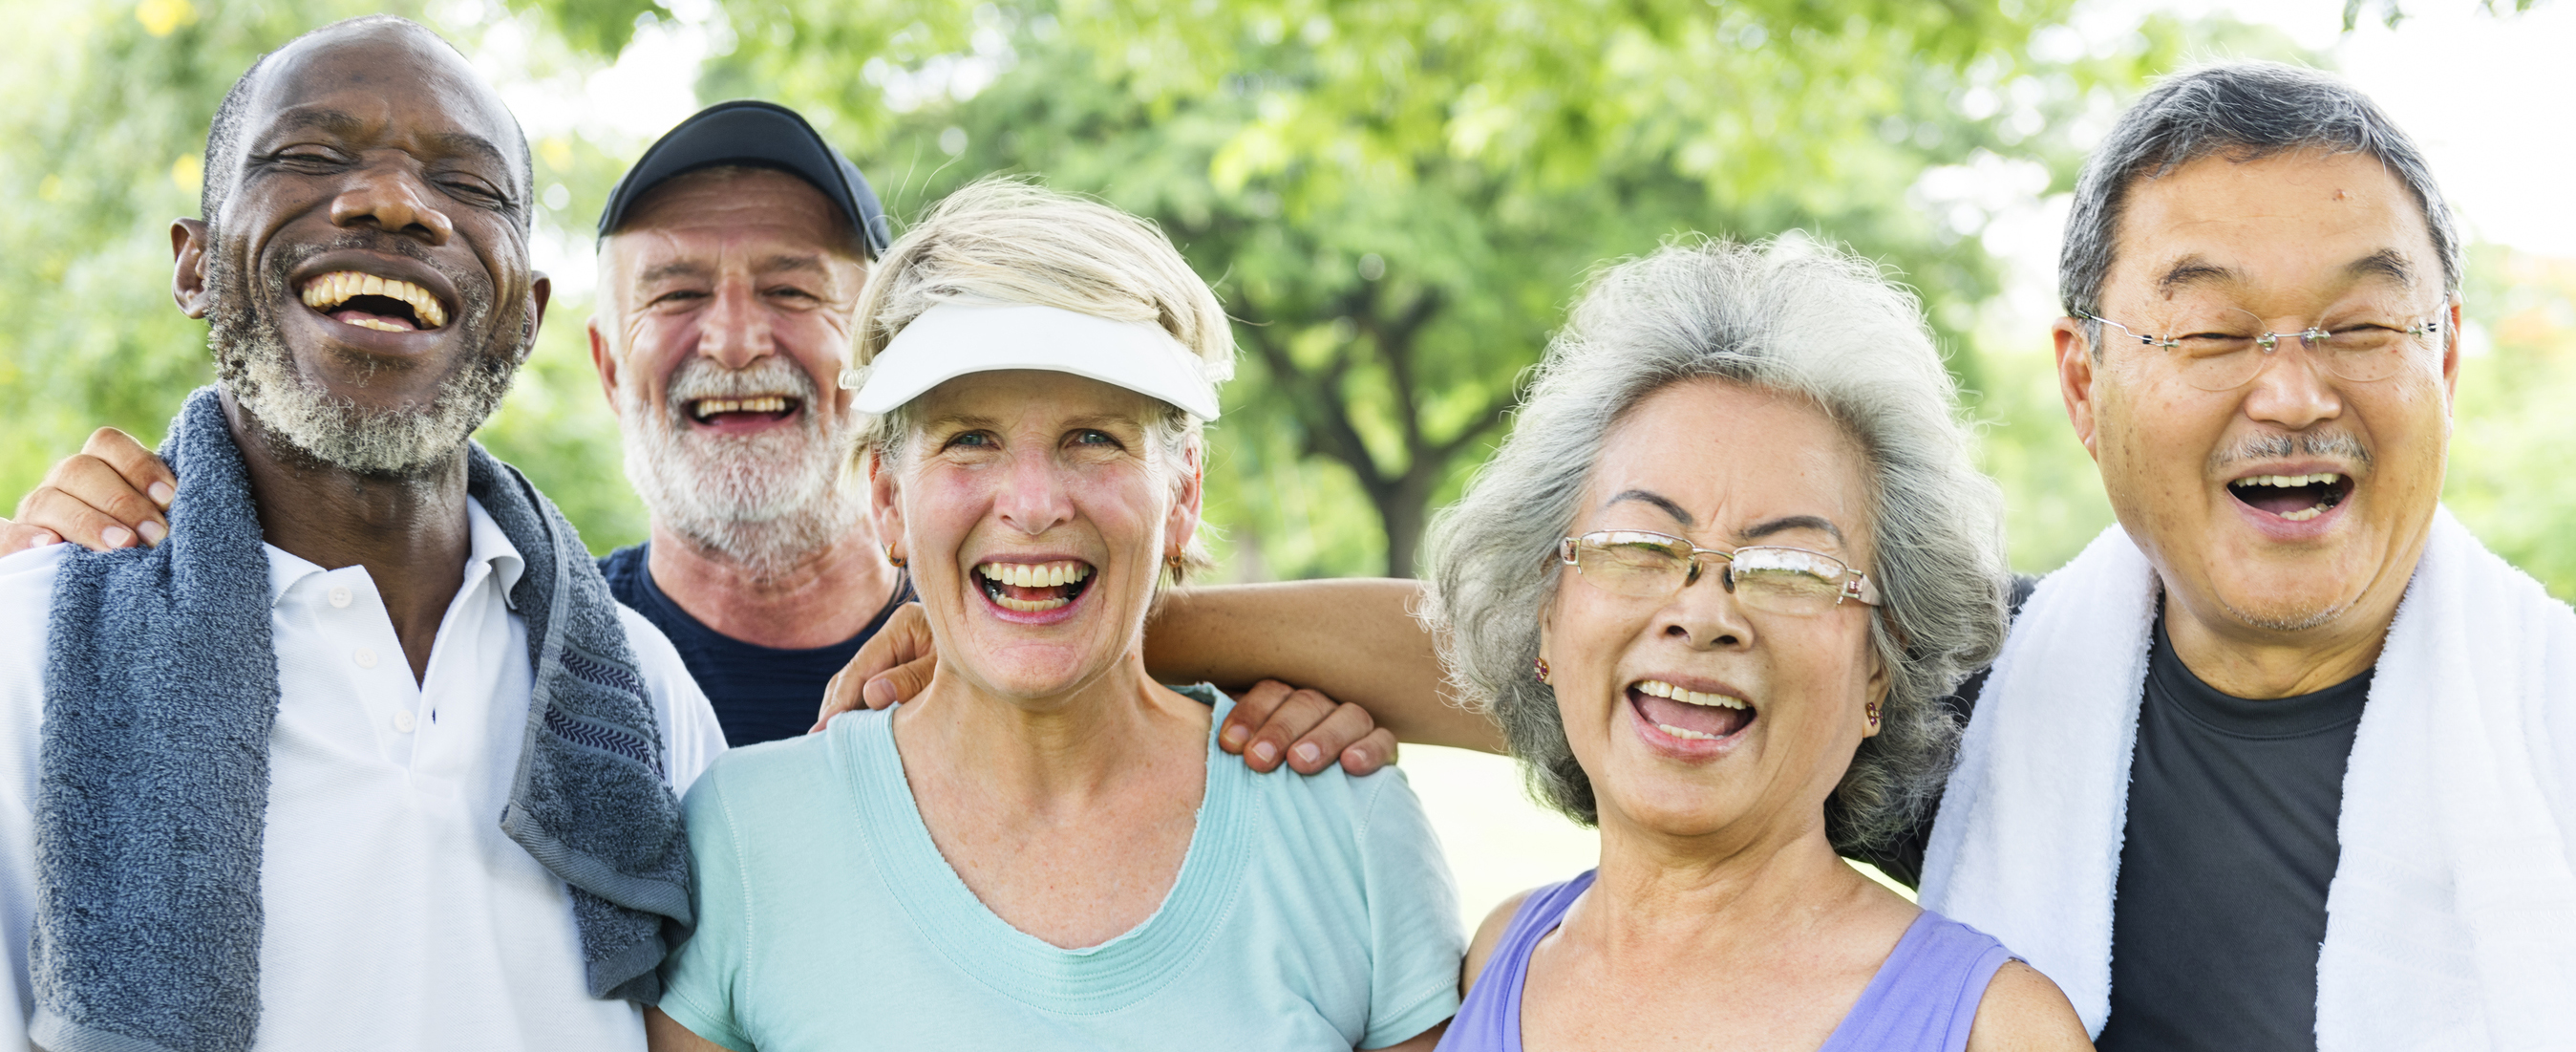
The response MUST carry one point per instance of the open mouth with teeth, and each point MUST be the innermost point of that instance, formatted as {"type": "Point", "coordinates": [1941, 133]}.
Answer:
{"type": "Point", "coordinates": [750, 410]}
{"type": "Point", "coordinates": [371, 302]}
{"type": "Point", "coordinates": [2297, 498]}
{"type": "Point", "coordinates": [1034, 588]}
{"type": "Point", "coordinates": [1689, 715]}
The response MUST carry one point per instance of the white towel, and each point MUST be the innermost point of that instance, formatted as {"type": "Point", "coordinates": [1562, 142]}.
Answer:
{"type": "Point", "coordinates": [2451, 922]}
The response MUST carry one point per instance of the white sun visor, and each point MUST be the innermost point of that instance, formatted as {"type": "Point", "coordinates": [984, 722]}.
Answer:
{"type": "Point", "coordinates": [953, 339]}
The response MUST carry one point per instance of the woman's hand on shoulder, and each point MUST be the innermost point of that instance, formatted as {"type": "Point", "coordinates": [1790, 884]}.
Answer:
{"type": "Point", "coordinates": [2024, 1012]}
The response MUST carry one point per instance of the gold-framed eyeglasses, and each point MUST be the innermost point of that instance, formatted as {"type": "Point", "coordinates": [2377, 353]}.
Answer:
{"type": "Point", "coordinates": [2228, 350]}
{"type": "Point", "coordinates": [1646, 565]}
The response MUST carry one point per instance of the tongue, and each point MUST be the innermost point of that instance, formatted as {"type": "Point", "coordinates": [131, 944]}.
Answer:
{"type": "Point", "coordinates": [1709, 720]}
{"type": "Point", "coordinates": [2281, 500]}
{"type": "Point", "coordinates": [353, 316]}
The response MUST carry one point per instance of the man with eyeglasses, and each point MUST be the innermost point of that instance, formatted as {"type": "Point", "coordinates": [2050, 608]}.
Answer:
{"type": "Point", "coordinates": [2284, 759]}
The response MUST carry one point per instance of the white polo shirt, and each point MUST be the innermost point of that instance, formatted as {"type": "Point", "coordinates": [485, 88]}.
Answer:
{"type": "Point", "coordinates": [398, 916]}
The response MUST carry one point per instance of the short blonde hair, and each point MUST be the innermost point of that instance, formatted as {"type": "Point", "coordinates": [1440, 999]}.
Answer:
{"type": "Point", "coordinates": [1007, 241]}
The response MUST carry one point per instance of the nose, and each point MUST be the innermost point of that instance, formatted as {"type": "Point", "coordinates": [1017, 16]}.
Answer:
{"type": "Point", "coordinates": [390, 197]}
{"type": "Point", "coordinates": [1705, 612]}
{"type": "Point", "coordinates": [734, 330]}
{"type": "Point", "coordinates": [1033, 497]}
{"type": "Point", "coordinates": [2293, 390]}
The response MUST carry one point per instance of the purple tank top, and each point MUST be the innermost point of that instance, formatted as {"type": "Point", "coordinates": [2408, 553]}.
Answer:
{"type": "Point", "coordinates": [1923, 999]}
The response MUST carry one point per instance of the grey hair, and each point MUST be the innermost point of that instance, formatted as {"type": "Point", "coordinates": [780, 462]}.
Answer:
{"type": "Point", "coordinates": [1790, 318]}
{"type": "Point", "coordinates": [2247, 111]}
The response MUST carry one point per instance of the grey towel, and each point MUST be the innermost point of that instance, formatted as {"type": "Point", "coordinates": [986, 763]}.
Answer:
{"type": "Point", "coordinates": [160, 691]}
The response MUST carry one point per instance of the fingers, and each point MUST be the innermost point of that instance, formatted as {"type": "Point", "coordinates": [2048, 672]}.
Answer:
{"type": "Point", "coordinates": [73, 519]}
{"type": "Point", "coordinates": [18, 537]}
{"type": "Point", "coordinates": [1342, 730]}
{"type": "Point", "coordinates": [1251, 710]}
{"type": "Point", "coordinates": [1371, 754]}
{"type": "Point", "coordinates": [1296, 715]}
{"type": "Point", "coordinates": [904, 682]}
{"type": "Point", "coordinates": [143, 472]}
{"type": "Point", "coordinates": [893, 665]}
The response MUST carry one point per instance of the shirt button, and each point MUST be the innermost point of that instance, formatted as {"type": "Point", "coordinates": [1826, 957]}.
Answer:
{"type": "Point", "coordinates": [340, 597]}
{"type": "Point", "coordinates": [403, 720]}
{"type": "Point", "coordinates": [364, 657]}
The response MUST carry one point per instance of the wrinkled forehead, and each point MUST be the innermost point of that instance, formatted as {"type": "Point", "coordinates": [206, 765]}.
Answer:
{"type": "Point", "coordinates": [769, 218]}
{"type": "Point", "coordinates": [393, 84]}
{"type": "Point", "coordinates": [2290, 225]}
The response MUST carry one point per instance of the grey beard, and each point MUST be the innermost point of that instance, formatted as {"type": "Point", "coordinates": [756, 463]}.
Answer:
{"type": "Point", "coordinates": [768, 502]}
{"type": "Point", "coordinates": [253, 362]}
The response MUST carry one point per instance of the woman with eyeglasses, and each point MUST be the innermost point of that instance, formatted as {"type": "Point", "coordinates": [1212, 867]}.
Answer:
{"type": "Point", "coordinates": [1712, 587]}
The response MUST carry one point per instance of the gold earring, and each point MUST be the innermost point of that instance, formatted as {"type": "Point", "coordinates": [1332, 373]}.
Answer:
{"type": "Point", "coordinates": [891, 557]}
{"type": "Point", "coordinates": [1873, 715]}
{"type": "Point", "coordinates": [1175, 560]}
{"type": "Point", "coordinates": [1542, 670]}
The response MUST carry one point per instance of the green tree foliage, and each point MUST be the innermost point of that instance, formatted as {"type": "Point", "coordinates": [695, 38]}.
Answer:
{"type": "Point", "coordinates": [1398, 199]}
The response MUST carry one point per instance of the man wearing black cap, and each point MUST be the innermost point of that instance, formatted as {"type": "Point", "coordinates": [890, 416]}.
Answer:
{"type": "Point", "coordinates": [730, 258]}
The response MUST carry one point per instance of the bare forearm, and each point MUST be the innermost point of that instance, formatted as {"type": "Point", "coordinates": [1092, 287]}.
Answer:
{"type": "Point", "coordinates": [1353, 639]}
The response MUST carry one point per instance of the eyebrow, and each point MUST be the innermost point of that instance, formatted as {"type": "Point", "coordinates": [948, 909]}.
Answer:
{"type": "Point", "coordinates": [1794, 522]}
{"type": "Point", "coordinates": [2386, 263]}
{"type": "Point", "coordinates": [792, 261]}
{"type": "Point", "coordinates": [1656, 499]}
{"type": "Point", "coordinates": [2194, 270]}
{"type": "Point", "coordinates": [677, 269]}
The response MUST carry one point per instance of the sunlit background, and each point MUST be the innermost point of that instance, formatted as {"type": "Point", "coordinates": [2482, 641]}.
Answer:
{"type": "Point", "coordinates": [1396, 198]}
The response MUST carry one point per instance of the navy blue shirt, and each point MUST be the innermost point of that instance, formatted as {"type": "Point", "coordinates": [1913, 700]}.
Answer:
{"type": "Point", "coordinates": [759, 693]}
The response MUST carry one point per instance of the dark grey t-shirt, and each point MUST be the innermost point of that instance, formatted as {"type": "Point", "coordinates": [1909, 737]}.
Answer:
{"type": "Point", "coordinates": [2231, 845]}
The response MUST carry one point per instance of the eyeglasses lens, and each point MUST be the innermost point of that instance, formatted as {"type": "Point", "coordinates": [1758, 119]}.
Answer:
{"type": "Point", "coordinates": [1776, 580]}
{"type": "Point", "coordinates": [2228, 350]}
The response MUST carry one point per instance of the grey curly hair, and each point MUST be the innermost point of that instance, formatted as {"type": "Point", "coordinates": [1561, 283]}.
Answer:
{"type": "Point", "coordinates": [1784, 317]}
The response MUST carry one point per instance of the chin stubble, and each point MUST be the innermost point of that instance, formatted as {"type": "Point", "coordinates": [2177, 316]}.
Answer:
{"type": "Point", "coordinates": [768, 501]}
{"type": "Point", "coordinates": [253, 362]}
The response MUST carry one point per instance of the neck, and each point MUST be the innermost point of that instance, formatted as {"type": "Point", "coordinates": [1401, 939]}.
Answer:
{"type": "Point", "coordinates": [1049, 755]}
{"type": "Point", "coordinates": [409, 533]}
{"type": "Point", "coordinates": [823, 597]}
{"type": "Point", "coordinates": [2260, 664]}
{"type": "Point", "coordinates": [1713, 897]}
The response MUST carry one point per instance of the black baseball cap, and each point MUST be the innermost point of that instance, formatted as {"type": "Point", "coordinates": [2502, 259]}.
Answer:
{"type": "Point", "coordinates": [758, 134]}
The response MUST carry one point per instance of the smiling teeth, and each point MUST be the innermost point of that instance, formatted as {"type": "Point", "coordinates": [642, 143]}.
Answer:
{"type": "Point", "coordinates": [1034, 575]}
{"type": "Point", "coordinates": [340, 286]}
{"type": "Point", "coordinates": [1685, 732]}
{"type": "Point", "coordinates": [1661, 689]}
{"type": "Point", "coordinates": [2290, 481]}
{"type": "Point", "coordinates": [708, 407]}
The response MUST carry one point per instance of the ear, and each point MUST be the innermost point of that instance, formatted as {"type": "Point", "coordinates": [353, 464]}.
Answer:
{"type": "Point", "coordinates": [2075, 375]}
{"type": "Point", "coordinates": [2451, 355]}
{"type": "Point", "coordinates": [1182, 522]}
{"type": "Point", "coordinates": [541, 291]}
{"type": "Point", "coordinates": [1876, 692]}
{"type": "Point", "coordinates": [189, 243]}
{"type": "Point", "coordinates": [604, 361]}
{"type": "Point", "coordinates": [884, 503]}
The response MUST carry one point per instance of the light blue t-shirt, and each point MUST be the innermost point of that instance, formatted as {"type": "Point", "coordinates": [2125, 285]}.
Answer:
{"type": "Point", "coordinates": [1310, 913]}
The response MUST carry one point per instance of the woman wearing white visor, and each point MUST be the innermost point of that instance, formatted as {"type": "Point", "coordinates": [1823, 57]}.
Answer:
{"type": "Point", "coordinates": [1045, 849]}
